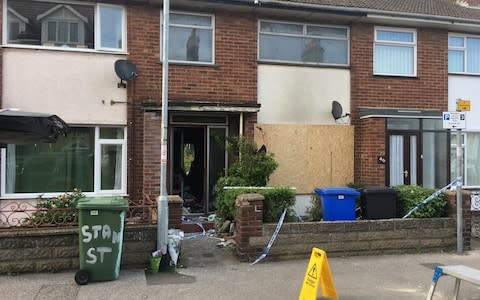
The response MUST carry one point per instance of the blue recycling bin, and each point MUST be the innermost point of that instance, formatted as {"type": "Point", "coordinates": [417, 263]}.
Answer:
{"type": "Point", "coordinates": [338, 203]}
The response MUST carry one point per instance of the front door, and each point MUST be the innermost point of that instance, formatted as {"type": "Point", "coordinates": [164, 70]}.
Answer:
{"type": "Point", "coordinates": [198, 160]}
{"type": "Point", "coordinates": [404, 159]}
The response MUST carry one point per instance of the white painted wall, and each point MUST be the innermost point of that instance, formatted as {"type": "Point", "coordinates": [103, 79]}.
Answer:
{"type": "Point", "coordinates": [71, 85]}
{"type": "Point", "coordinates": [466, 88]}
{"type": "Point", "coordinates": [301, 95]}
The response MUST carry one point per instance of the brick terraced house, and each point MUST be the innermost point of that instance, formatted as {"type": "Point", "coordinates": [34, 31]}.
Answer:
{"type": "Point", "coordinates": [269, 70]}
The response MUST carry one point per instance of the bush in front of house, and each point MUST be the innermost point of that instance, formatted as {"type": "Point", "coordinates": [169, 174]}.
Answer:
{"type": "Point", "coordinates": [411, 195]}
{"type": "Point", "coordinates": [252, 165]}
{"type": "Point", "coordinates": [276, 200]}
{"type": "Point", "coordinates": [60, 210]}
{"type": "Point", "coordinates": [251, 168]}
{"type": "Point", "coordinates": [315, 210]}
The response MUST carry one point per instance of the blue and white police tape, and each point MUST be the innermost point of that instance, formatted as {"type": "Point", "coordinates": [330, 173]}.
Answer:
{"type": "Point", "coordinates": [457, 181]}
{"type": "Point", "coordinates": [272, 239]}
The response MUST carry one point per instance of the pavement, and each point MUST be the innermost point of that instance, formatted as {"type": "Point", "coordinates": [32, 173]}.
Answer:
{"type": "Point", "coordinates": [211, 272]}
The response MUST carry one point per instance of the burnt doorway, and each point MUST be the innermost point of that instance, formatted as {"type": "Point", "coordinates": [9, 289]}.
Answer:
{"type": "Point", "coordinates": [198, 160]}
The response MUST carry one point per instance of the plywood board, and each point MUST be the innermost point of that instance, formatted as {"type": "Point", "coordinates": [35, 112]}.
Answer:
{"type": "Point", "coordinates": [309, 156]}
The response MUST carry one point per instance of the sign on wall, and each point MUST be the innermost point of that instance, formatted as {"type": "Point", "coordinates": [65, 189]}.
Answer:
{"type": "Point", "coordinates": [463, 105]}
{"type": "Point", "coordinates": [475, 202]}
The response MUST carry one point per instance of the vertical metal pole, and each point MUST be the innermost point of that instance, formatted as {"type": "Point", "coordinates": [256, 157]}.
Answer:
{"type": "Point", "coordinates": [162, 200]}
{"type": "Point", "coordinates": [459, 193]}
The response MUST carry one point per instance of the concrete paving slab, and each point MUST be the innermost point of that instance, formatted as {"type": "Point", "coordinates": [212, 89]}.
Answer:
{"type": "Point", "coordinates": [218, 275]}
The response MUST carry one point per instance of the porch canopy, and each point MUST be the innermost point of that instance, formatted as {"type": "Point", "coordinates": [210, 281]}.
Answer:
{"type": "Point", "coordinates": [21, 127]}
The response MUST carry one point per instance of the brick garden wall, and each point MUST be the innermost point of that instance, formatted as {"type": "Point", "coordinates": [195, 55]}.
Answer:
{"type": "Point", "coordinates": [51, 250]}
{"type": "Point", "coordinates": [339, 238]}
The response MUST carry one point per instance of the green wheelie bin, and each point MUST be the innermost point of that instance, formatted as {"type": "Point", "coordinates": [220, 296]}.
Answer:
{"type": "Point", "coordinates": [101, 222]}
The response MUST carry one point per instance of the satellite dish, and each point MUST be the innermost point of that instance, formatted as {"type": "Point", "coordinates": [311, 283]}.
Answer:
{"type": "Point", "coordinates": [337, 111]}
{"type": "Point", "coordinates": [125, 70]}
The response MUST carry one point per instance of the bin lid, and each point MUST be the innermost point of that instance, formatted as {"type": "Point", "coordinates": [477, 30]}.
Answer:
{"type": "Point", "coordinates": [340, 190]}
{"type": "Point", "coordinates": [108, 203]}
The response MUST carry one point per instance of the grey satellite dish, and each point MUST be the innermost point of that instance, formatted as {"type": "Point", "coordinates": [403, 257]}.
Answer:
{"type": "Point", "coordinates": [337, 111]}
{"type": "Point", "coordinates": [125, 70]}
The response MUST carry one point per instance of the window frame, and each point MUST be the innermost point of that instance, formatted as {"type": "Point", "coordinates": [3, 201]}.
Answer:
{"type": "Point", "coordinates": [397, 44]}
{"type": "Point", "coordinates": [97, 32]}
{"type": "Point", "coordinates": [97, 36]}
{"type": "Point", "coordinates": [97, 168]}
{"type": "Point", "coordinates": [304, 35]}
{"type": "Point", "coordinates": [212, 17]}
{"type": "Point", "coordinates": [57, 31]}
{"type": "Point", "coordinates": [464, 49]}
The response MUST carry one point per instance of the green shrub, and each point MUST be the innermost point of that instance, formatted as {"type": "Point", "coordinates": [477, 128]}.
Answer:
{"type": "Point", "coordinates": [276, 200]}
{"type": "Point", "coordinates": [251, 168]}
{"type": "Point", "coordinates": [255, 167]}
{"type": "Point", "coordinates": [60, 210]}
{"type": "Point", "coordinates": [315, 210]}
{"type": "Point", "coordinates": [356, 185]}
{"type": "Point", "coordinates": [411, 195]}
{"type": "Point", "coordinates": [226, 206]}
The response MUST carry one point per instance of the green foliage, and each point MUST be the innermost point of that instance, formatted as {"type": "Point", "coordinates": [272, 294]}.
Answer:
{"type": "Point", "coordinates": [226, 206]}
{"type": "Point", "coordinates": [315, 210]}
{"type": "Point", "coordinates": [411, 195]}
{"type": "Point", "coordinates": [60, 210]}
{"type": "Point", "coordinates": [252, 165]}
{"type": "Point", "coordinates": [357, 185]}
{"type": "Point", "coordinates": [250, 168]}
{"type": "Point", "coordinates": [276, 200]}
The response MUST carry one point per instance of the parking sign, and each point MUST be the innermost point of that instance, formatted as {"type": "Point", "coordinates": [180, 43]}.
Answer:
{"type": "Point", "coordinates": [454, 120]}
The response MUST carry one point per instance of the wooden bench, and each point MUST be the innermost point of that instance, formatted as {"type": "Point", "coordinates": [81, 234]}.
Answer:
{"type": "Point", "coordinates": [459, 272]}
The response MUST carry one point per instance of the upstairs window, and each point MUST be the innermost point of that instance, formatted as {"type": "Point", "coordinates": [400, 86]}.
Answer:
{"type": "Point", "coordinates": [303, 43]}
{"type": "Point", "coordinates": [65, 25]}
{"type": "Point", "coordinates": [463, 54]}
{"type": "Point", "coordinates": [395, 52]}
{"type": "Point", "coordinates": [191, 38]}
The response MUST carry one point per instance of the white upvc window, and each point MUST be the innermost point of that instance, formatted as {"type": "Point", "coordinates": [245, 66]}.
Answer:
{"type": "Point", "coordinates": [470, 160]}
{"type": "Point", "coordinates": [302, 43]}
{"type": "Point", "coordinates": [92, 159]}
{"type": "Point", "coordinates": [463, 54]}
{"type": "Point", "coordinates": [191, 37]}
{"type": "Point", "coordinates": [64, 25]}
{"type": "Point", "coordinates": [111, 34]}
{"type": "Point", "coordinates": [395, 52]}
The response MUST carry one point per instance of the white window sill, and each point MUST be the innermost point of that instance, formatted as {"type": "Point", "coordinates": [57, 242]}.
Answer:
{"type": "Point", "coordinates": [64, 49]}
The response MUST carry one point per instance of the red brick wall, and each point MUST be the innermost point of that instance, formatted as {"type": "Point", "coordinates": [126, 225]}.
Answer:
{"type": "Point", "coordinates": [426, 91]}
{"type": "Point", "coordinates": [249, 223]}
{"type": "Point", "coordinates": [233, 78]}
{"type": "Point", "coordinates": [372, 136]}
{"type": "Point", "coordinates": [151, 154]}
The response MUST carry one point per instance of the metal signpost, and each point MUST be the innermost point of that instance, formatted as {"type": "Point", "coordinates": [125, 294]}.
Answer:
{"type": "Point", "coordinates": [162, 200]}
{"type": "Point", "coordinates": [456, 120]}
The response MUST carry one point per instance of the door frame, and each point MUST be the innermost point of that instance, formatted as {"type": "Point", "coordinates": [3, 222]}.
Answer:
{"type": "Point", "coordinates": [407, 134]}
{"type": "Point", "coordinates": [205, 125]}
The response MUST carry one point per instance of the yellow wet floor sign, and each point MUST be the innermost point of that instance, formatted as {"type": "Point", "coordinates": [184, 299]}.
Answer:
{"type": "Point", "coordinates": [318, 272]}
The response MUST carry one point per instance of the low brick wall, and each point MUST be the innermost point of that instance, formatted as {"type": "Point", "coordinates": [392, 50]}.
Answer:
{"type": "Point", "coordinates": [363, 237]}
{"type": "Point", "coordinates": [50, 249]}
{"type": "Point", "coordinates": [339, 238]}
